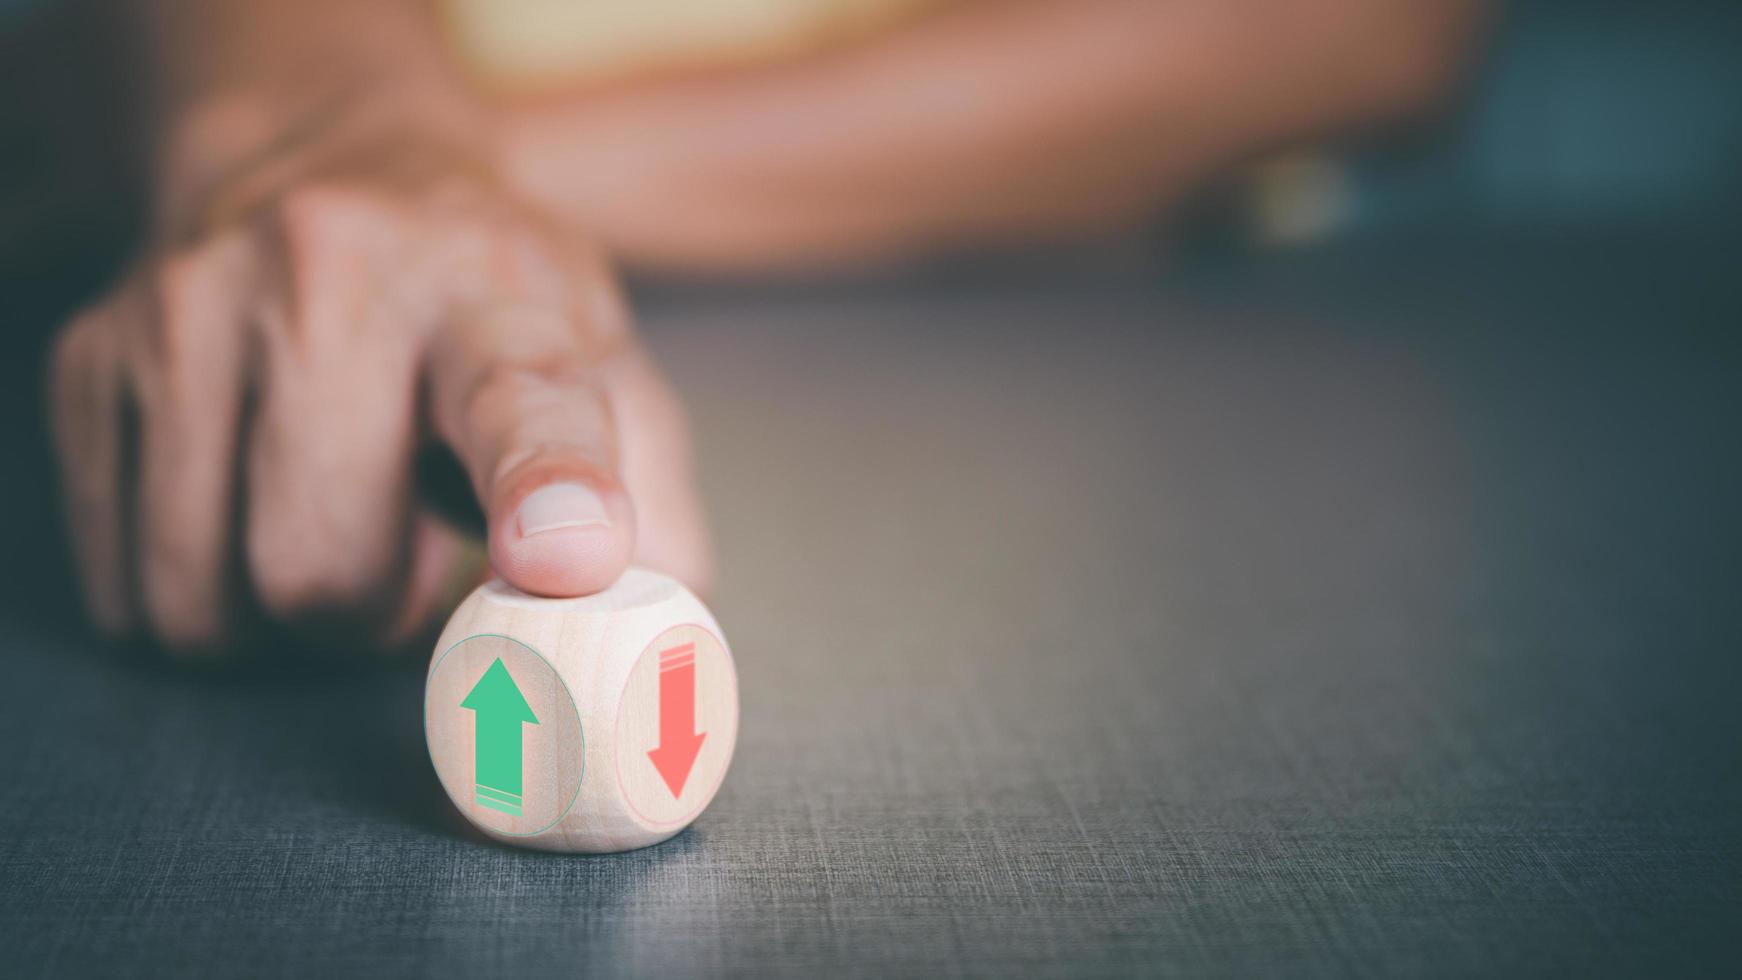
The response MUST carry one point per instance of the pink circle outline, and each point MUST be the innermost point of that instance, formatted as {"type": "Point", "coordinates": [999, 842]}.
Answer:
{"type": "Point", "coordinates": [708, 797]}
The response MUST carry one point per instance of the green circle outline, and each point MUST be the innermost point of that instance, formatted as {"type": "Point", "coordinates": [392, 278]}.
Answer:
{"type": "Point", "coordinates": [566, 693]}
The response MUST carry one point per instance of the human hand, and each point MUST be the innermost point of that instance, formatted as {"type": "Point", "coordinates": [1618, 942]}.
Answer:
{"type": "Point", "coordinates": [237, 421]}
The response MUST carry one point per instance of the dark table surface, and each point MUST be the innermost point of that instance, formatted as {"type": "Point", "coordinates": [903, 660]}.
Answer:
{"type": "Point", "coordinates": [1363, 611]}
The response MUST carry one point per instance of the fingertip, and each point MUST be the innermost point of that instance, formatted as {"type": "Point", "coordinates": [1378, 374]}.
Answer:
{"type": "Point", "coordinates": [563, 539]}
{"type": "Point", "coordinates": [566, 562]}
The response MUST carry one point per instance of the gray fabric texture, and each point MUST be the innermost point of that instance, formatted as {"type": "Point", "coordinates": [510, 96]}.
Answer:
{"type": "Point", "coordinates": [1332, 617]}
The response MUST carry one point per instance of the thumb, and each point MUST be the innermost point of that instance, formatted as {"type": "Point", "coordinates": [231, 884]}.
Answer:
{"type": "Point", "coordinates": [518, 399]}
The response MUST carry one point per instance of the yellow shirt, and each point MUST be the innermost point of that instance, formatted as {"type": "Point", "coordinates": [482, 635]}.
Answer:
{"type": "Point", "coordinates": [540, 45]}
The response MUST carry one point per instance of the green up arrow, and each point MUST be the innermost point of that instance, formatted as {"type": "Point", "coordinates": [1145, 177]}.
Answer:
{"type": "Point", "coordinates": [501, 710]}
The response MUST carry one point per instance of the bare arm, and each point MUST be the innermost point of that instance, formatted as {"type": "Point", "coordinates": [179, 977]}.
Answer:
{"type": "Point", "coordinates": [232, 81]}
{"type": "Point", "coordinates": [992, 121]}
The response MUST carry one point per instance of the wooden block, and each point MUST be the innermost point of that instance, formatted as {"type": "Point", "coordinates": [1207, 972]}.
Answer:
{"type": "Point", "coordinates": [596, 724]}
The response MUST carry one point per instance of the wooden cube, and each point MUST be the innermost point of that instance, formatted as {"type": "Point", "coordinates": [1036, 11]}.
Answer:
{"type": "Point", "coordinates": [596, 724]}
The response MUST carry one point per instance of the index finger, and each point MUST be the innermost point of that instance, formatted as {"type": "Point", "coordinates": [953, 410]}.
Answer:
{"type": "Point", "coordinates": [515, 394]}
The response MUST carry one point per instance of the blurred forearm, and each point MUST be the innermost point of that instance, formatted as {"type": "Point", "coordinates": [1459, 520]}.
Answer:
{"type": "Point", "coordinates": [230, 78]}
{"type": "Point", "coordinates": [993, 121]}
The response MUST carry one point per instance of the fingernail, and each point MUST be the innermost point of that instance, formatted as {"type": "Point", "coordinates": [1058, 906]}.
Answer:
{"type": "Point", "coordinates": [560, 505]}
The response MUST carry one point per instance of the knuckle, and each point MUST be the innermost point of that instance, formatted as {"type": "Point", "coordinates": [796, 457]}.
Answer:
{"type": "Point", "coordinates": [177, 301]}
{"type": "Point", "coordinates": [506, 391]}
{"type": "Point", "coordinates": [77, 391]}
{"type": "Point", "coordinates": [175, 333]}
{"type": "Point", "coordinates": [332, 237]}
{"type": "Point", "coordinates": [326, 215]}
{"type": "Point", "coordinates": [179, 274]}
{"type": "Point", "coordinates": [73, 355]}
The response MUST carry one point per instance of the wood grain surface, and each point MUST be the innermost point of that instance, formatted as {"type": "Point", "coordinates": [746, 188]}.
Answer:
{"type": "Point", "coordinates": [590, 671]}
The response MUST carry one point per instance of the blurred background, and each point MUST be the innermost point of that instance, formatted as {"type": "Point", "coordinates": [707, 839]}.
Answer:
{"type": "Point", "coordinates": [1571, 114]}
{"type": "Point", "coordinates": [1323, 565]}
{"type": "Point", "coordinates": [1544, 125]}
{"type": "Point", "coordinates": [1552, 134]}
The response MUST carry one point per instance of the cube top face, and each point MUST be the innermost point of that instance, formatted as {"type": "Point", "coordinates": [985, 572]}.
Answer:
{"type": "Point", "coordinates": [594, 724]}
{"type": "Point", "coordinates": [637, 589]}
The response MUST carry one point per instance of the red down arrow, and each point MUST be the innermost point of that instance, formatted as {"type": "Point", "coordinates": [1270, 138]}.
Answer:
{"type": "Point", "coordinates": [679, 742]}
